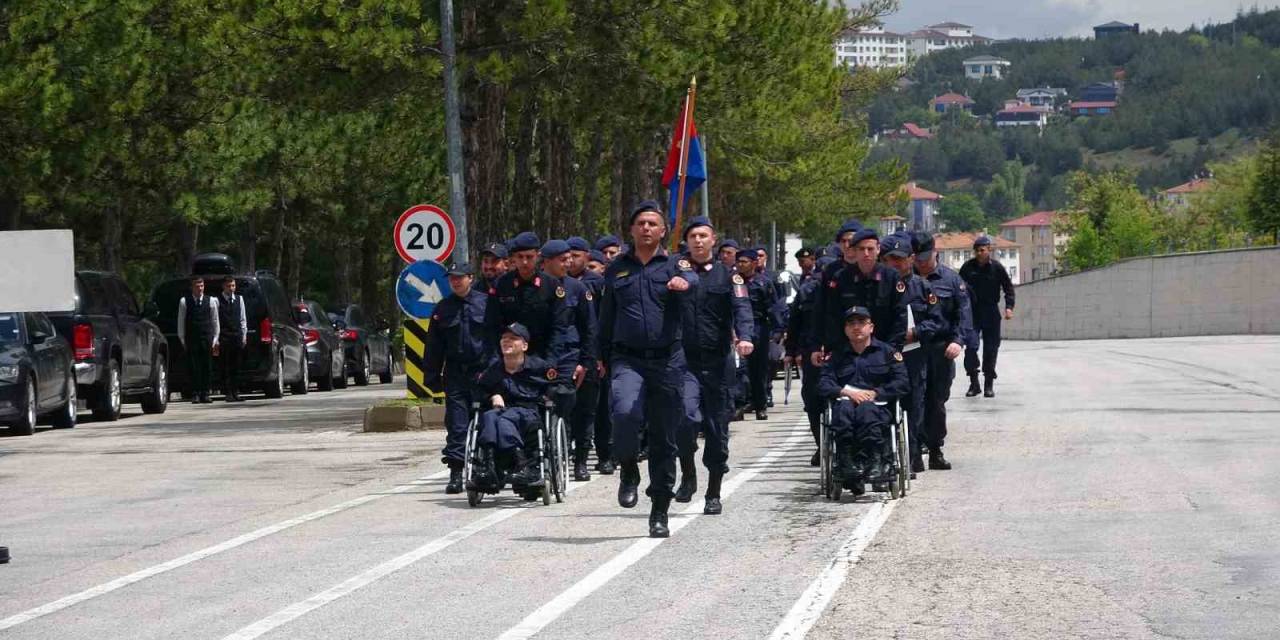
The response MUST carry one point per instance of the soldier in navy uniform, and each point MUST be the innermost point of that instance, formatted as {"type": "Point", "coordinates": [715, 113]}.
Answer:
{"type": "Point", "coordinates": [459, 345]}
{"type": "Point", "coordinates": [807, 261]}
{"type": "Point", "coordinates": [859, 279]}
{"type": "Point", "coordinates": [515, 385]}
{"type": "Point", "coordinates": [727, 253]}
{"type": "Point", "coordinates": [897, 251]}
{"type": "Point", "coordinates": [198, 332]}
{"type": "Point", "coordinates": [867, 371]}
{"type": "Point", "coordinates": [596, 262]}
{"type": "Point", "coordinates": [946, 334]}
{"type": "Point", "coordinates": [232, 337]}
{"type": "Point", "coordinates": [577, 349]}
{"type": "Point", "coordinates": [640, 346]}
{"type": "Point", "coordinates": [986, 278]}
{"type": "Point", "coordinates": [799, 347]}
{"type": "Point", "coordinates": [493, 263]}
{"type": "Point", "coordinates": [527, 295]}
{"type": "Point", "coordinates": [716, 310]}
{"type": "Point", "coordinates": [608, 246]}
{"type": "Point", "coordinates": [763, 297]}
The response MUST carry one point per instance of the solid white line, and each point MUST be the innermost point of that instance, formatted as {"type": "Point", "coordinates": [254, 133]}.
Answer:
{"type": "Point", "coordinates": [299, 609]}
{"type": "Point", "coordinates": [549, 612]}
{"type": "Point", "coordinates": [808, 609]}
{"type": "Point", "coordinates": [138, 576]}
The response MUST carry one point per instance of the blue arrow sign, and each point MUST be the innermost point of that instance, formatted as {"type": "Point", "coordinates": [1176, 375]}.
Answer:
{"type": "Point", "coordinates": [422, 285]}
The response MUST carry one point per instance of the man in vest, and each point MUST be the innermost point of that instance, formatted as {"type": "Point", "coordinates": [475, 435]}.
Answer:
{"type": "Point", "coordinates": [198, 333]}
{"type": "Point", "coordinates": [233, 331]}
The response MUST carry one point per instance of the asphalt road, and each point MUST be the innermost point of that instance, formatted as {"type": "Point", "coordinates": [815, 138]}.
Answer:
{"type": "Point", "coordinates": [1120, 489]}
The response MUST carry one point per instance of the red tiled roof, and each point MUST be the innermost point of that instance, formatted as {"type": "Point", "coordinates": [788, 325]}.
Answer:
{"type": "Point", "coordinates": [964, 240]}
{"type": "Point", "coordinates": [915, 130]}
{"type": "Point", "coordinates": [1037, 219]}
{"type": "Point", "coordinates": [1093, 105]}
{"type": "Point", "coordinates": [951, 98]}
{"type": "Point", "coordinates": [917, 193]}
{"type": "Point", "coordinates": [1199, 184]}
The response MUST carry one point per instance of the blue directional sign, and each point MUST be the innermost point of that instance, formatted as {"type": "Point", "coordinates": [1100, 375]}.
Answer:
{"type": "Point", "coordinates": [421, 286]}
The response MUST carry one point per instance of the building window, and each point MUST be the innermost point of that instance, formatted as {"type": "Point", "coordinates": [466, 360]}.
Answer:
{"type": "Point", "coordinates": [1013, 273]}
{"type": "Point", "coordinates": [976, 69]}
{"type": "Point", "coordinates": [987, 70]}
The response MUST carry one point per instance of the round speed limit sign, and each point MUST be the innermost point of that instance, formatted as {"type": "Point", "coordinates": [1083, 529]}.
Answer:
{"type": "Point", "coordinates": [425, 232]}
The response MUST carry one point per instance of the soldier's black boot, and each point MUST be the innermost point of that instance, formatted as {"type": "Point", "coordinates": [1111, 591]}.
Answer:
{"type": "Point", "coordinates": [658, 518]}
{"type": "Point", "coordinates": [628, 483]}
{"type": "Point", "coordinates": [527, 471]}
{"type": "Point", "coordinates": [761, 414]}
{"type": "Point", "coordinates": [917, 464]}
{"type": "Point", "coordinates": [455, 479]}
{"type": "Point", "coordinates": [974, 389]}
{"type": "Point", "coordinates": [712, 506]}
{"type": "Point", "coordinates": [688, 479]}
{"type": "Point", "coordinates": [936, 461]}
{"type": "Point", "coordinates": [988, 388]}
{"type": "Point", "coordinates": [580, 471]}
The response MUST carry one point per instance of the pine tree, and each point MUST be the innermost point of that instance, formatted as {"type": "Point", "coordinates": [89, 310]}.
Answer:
{"type": "Point", "coordinates": [1264, 196]}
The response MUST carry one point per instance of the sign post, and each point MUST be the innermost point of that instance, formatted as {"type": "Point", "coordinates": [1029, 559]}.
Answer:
{"type": "Point", "coordinates": [425, 232]}
{"type": "Point", "coordinates": [420, 287]}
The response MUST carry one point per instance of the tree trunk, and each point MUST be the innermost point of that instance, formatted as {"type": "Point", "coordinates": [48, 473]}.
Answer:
{"type": "Point", "coordinates": [277, 240]}
{"type": "Point", "coordinates": [369, 298]}
{"type": "Point", "coordinates": [341, 274]}
{"type": "Point", "coordinates": [295, 265]}
{"type": "Point", "coordinates": [591, 184]}
{"type": "Point", "coordinates": [10, 212]}
{"type": "Point", "coordinates": [522, 181]}
{"type": "Point", "coordinates": [248, 245]}
{"type": "Point", "coordinates": [111, 238]}
{"type": "Point", "coordinates": [188, 236]}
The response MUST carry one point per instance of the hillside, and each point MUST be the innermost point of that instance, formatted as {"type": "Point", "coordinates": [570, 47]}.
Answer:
{"type": "Point", "coordinates": [1185, 99]}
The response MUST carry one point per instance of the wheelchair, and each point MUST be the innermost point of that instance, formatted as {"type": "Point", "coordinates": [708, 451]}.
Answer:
{"type": "Point", "coordinates": [553, 458]}
{"type": "Point", "coordinates": [899, 480]}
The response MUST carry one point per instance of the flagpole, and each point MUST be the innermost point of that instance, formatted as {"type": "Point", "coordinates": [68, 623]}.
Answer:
{"type": "Point", "coordinates": [690, 98]}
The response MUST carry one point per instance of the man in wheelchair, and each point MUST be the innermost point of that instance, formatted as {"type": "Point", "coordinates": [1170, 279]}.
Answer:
{"type": "Point", "coordinates": [515, 385]}
{"type": "Point", "coordinates": [869, 373]}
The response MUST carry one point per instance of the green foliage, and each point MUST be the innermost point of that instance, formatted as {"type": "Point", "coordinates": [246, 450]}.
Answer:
{"type": "Point", "coordinates": [1109, 220]}
{"type": "Point", "coordinates": [962, 212]}
{"type": "Point", "coordinates": [1006, 196]}
{"type": "Point", "coordinates": [1263, 203]}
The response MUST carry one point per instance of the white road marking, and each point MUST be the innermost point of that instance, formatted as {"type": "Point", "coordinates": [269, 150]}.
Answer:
{"type": "Point", "coordinates": [549, 612]}
{"type": "Point", "coordinates": [143, 574]}
{"type": "Point", "coordinates": [808, 609]}
{"type": "Point", "coordinates": [297, 610]}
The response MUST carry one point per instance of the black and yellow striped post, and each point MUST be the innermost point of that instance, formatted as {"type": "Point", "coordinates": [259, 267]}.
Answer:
{"type": "Point", "coordinates": [415, 347]}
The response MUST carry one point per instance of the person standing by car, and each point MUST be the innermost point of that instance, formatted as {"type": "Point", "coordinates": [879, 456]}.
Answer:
{"type": "Point", "coordinates": [198, 333]}
{"type": "Point", "coordinates": [233, 332]}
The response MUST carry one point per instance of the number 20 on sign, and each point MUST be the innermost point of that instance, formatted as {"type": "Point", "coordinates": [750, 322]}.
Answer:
{"type": "Point", "coordinates": [425, 232]}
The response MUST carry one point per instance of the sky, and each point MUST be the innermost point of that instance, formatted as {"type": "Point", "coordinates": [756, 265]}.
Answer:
{"type": "Point", "coordinates": [1054, 18]}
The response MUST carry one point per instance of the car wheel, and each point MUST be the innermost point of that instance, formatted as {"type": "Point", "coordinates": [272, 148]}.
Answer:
{"type": "Point", "coordinates": [276, 390]}
{"type": "Point", "coordinates": [386, 375]}
{"type": "Point", "coordinates": [107, 408]}
{"type": "Point", "coordinates": [304, 381]}
{"type": "Point", "coordinates": [26, 424]}
{"type": "Point", "coordinates": [66, 416]}
{"type": "Point", "coordinates": [362, 376]}
{"type": "Point", "coordinates": [158, 400]}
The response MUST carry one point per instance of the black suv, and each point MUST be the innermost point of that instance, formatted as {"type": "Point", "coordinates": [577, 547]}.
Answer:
{"type": "Point", "coordinates": [368, 349]}
{"type": "Point", "coordinates": [326, 358]}
{"type": "Point", "coordinates": [274, 355]}
{"type": "Point", "coordinates": [120, 356]}
{"type": "Point", "coordinates": [35, 373]}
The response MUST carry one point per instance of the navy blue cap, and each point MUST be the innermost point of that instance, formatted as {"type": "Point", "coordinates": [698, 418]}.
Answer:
{"type": "Point", "coordinates": [804, 252]}
{"type": "Point", "coordinates": [897, 244]}
{"type": "Point", "coordinates": [518, 329]}
{"type": "Point", "coordinates": [750, 254]}
{"type": "Point", "coordinates": [850, 226]}
{"type": "Point", "coordinates": [578, 243]}
{"type": "Point", "coordinates": [834, 251]}
{"type": "Point", "coordinates": [495, 249]}
{"type": "Point", "coordinates": [554, 248]}
{"type": "Point", "coordinates": [606, 241]}
{"type": "Point", "coordinates": [524, 241]}
{"type": "Point", "coordinates": [922, 242]}
{"type": "Point", "coordinates": [857, 312]}
{"type": "Point", "coordinates": [596, 255]}
{"type": "Point", "coordinates": [731, 243]}
{"type": "Point", "coordinates": [696, 221]}
{"type": "Point", "coordinates": [460, 269]}
{"type": "Point", "coordinates": [982, 241]}
{"type": "Point", "coordinates": [865, 234]}
{"type": "Point", "coordinates": [824, 261]}
{"type": "Point", "coordinates": [644, 207]}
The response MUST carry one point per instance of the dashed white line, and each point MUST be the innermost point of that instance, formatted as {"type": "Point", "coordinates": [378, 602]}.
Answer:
{"type": "Point", "coordinates": [808, 609]}
{"type": "Point", "coordinates": [549, 612]}
{"type": "Point", "coordinates": [143, 574]}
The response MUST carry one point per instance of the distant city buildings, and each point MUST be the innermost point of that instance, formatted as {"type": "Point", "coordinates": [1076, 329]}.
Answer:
{"type": "Point", "coordinates": [922, 208]}
{"type": "Point", "coordinates": [951, 102]}
{"type": "Point", "coordinates": [983, 67]}
{"type": "Point", "coordinates": [954, 249]}
{"type": "Point", "coordinates": [1038, 243]}
{"type": "Point", "coordinates": [1114, 28]}
{"type": "Point", "coordinates": [1179, 197]}
{"type": "Point", "coordinates": [877, 48]}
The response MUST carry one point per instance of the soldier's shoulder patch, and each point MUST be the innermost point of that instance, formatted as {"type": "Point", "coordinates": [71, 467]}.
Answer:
{"type": "Point", "coordinates": [537, 281]}
{"type": "Point", "coordinates": [684, 264]}
{"type": "Point", "coordinates": [737, 279]}
{"type": "Point", "coordinates": [559, 292]}
{"type": "Point", "coordinates": [493, 291]}
{"type": "Point", "coordinates": [933, 298]}
{"type": "Point", "coordinates": [962, 286]}
{"type": "Point", "coordinates": [588, 296]}
{"type": "Point", "coordinates": [551, 373]}
{"type": "Point", "coordinates": [897, 356]}
{"type": "Point", "coordinates": [831, 284]}
{"type": "Point", "coordinates": [902, 287]}
{"type": "Point", "coordinates": [621, 274]}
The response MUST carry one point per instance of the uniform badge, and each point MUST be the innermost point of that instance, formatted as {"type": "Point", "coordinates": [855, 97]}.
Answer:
{"type": "Point", "coordinates": [588, 296]}
{"type": "Point", "coordinates": [897, 356]}
{"type": "Point", "coordinates": [902, 287]}
{"type": "Point", "coordinates": [493, 291]}
{"type": "Point", "coordinates": [684, 264]}
{"type": "Point", "coordinates": [559, 292]}
{"type": "Point", "coordinates": [737, 279]}
{"type": "Point", "coordinates": [831, 284]}
{"type": "Point", "coordinates": [622, 274]}
{"type": "Point", "coordinates": [551, 373]}
{"type": "Point", "coordinates": [933, 298]}
{"type": "Point", "coordinates": [537, 281]}
{"type": "Point", "coordinates": [962, 286]}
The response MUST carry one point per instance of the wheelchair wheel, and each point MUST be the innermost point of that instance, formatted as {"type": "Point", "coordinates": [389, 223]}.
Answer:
{"type": "Point", "coordinates": [474, 497]}
{"type": "Point", "coordinates": [904, 456]}
{"type": "Point", "coordinates": [560, 445]}
{"type": "Point", "coordinates": [548, 458]}
{"type": "Point", "coordinates": [824, 454]}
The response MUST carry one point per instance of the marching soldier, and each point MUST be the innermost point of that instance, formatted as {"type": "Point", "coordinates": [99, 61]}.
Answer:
{"type": "Point", "coordinates": [608, 246]}
{"type": "Point", "coordinates": [986, 278]}
{"type": "Point", "coordinates": [859, 279]}
{"type": "Point", "coordinates": [588, 267]}
{"type": "Point", "coordinates": [459, 345]}
{"type": "Point", "coordinates": [493, 263]}
{"type": "Point", "coordinates": [799, 348]}
{"type": "Point", "coordinates": [897, 251]}
{"type": "Point", "coordinates": [763, 297]}
{"type": "Point", "coordinates": [640, 346]}
{"type": "Point", "coordinates": [944, 337]}
{"type": "Point", "coordinates": [578, 348]}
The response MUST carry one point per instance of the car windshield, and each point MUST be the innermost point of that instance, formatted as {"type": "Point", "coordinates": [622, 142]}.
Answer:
{"type": "Point", "coordinates": [8, 328]}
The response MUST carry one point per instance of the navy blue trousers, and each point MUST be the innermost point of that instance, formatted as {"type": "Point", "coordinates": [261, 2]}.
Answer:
{"type": "Point", "coordinates": [645, 394]}
{"type": "Point", "coordinates": [706, 409]}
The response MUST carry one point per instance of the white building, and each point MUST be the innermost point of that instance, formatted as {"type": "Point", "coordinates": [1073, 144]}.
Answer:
{"type": "Point", "coordinates": [1041, 96]}
{"type": "Point", "coordinates": [945, 35]}
{"type": "Point", "coordinates": [874, 48]}
{"type": "Point", "coordinates": [955, 248]}
{"type": "Point", "coordinates": [983, 67]}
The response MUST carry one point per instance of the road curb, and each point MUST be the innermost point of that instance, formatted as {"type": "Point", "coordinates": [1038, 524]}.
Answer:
{"type": "Point", "coordinates": [386, 419]}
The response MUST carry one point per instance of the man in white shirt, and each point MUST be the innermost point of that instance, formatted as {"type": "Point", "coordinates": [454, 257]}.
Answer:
{"type": "Point", "coordinates": [232, 335]}
{"type": "Point", "coordinates": [198, 333]}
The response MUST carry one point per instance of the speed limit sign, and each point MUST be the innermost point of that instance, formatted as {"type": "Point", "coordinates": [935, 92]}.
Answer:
{"type": "Point", "coordinates": [425, 232]}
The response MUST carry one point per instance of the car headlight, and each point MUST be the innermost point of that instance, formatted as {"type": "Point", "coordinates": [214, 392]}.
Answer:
{"type": "Point", "coordinates": [9, 372]}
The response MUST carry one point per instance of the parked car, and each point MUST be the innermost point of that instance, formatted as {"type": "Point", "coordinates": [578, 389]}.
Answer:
{"type": "Point", "coordinates": [326, 358]}
{"type": "Point", "coordinates": [36, 374]}
{"type": "Point", "coordinates": [274, 355]}
{"type": "Point", "coordinates": [119, 355]}
{"type": "Point", "coordinates": [368, 349]}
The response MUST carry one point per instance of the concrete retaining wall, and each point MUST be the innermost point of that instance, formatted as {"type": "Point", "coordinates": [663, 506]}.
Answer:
{"type": "Point", "coordinates": [1187, 294]}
